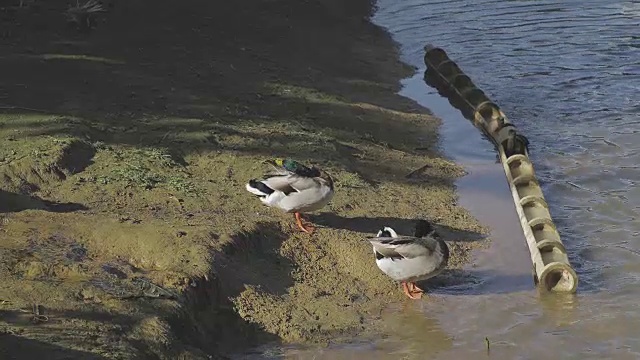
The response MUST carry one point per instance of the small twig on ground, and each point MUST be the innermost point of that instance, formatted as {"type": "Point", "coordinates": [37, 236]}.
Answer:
{"type": "Point", "coordinates": [409, 175]}
{"type": "Point", "coordinates": [164, 137]}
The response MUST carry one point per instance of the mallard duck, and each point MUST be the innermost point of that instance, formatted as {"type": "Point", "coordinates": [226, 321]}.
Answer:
{"type": "Point", "coordinates": [410, 258]}
{"type": "Point", "coordinates": [294, 188]}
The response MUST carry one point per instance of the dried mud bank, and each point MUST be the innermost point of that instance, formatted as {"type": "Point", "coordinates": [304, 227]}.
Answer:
{"type": "Point", "coordinates": [125, 229]}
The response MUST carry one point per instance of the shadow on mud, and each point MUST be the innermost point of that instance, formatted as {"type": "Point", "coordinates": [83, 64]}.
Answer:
{"type": "Point", "coordinates": [13, 202]}
{"type": "Point", "coordinates": [371, 225]}
{"type": "Point", "coordinates": [252, 258]}
{"type": "Point", "coordinates": [14, 347]}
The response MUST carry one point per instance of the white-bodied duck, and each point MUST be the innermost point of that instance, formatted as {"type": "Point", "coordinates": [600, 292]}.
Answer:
{"type": "Point", "coordinates": [294, 188]}
{"type": "Point", "coordinates": [408, 259]}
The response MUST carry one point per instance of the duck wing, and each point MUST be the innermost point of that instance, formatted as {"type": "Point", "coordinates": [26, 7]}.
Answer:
{"type": "Point", "coordinates": [301, 183]}
{"type": "Point", "coordinates": [279, 183]}
{"type": "Point", "coordinates": [407, 247]}
{"type": "Point", "coordinates": [290, 183]}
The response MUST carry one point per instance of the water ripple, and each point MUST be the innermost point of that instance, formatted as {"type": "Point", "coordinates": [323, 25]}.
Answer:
{"type": "Point", "coordinates": [568, 74]}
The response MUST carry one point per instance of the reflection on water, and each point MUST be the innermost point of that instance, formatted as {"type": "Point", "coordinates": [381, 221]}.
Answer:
{"type": "Point", "coordinates": [412, 335]}
{"type": "Point", "coordinates": [567, 73]}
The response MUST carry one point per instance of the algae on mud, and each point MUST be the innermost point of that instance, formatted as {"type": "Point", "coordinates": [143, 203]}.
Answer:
{"type": "Point", "coordinates": [123, 209]}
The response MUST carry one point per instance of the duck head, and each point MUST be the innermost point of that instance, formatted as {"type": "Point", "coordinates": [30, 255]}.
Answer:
{"type": "Point", "coordinates": [387, 232]}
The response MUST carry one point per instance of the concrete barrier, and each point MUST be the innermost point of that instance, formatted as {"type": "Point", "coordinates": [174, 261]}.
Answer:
{"type": "Point", "coordinates": [552, 270]}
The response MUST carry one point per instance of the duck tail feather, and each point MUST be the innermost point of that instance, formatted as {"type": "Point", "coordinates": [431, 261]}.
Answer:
{"type": "Point", "coordinates": [258, 188]}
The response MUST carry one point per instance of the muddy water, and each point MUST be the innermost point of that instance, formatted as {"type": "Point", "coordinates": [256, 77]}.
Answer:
{"type": "Point", "coordinates": [567, 73]}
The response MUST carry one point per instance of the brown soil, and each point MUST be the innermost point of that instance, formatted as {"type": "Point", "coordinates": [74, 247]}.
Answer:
{"type": "Point", "coordinates": [125, 229]}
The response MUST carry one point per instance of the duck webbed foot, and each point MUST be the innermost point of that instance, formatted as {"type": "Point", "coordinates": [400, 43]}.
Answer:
{"type": "Point", "coordinates": [308, 229]}
{"type": "Point", "coordinates": [412, 290]}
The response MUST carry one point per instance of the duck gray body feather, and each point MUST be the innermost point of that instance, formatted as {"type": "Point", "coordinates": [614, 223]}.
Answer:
{"type": "Point", "coordinates": [293, 189]}
{"type": "Point", "coordinates": [410, 258]}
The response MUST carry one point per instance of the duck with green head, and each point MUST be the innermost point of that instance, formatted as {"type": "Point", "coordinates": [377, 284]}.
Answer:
{"type": "Point", "coordinates": [294, 188]}
{"type": "Point", "coordinates": [408, 259]}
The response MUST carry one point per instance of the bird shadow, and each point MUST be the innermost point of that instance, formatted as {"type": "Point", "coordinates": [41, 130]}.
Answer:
{"type": "Point", "coordinates": [371, 225]}
{"type": "Point", "coordinates": [251, 257]}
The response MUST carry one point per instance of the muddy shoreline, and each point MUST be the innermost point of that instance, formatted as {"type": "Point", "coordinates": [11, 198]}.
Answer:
{"type": "Point", "coordinates": [126, 231]}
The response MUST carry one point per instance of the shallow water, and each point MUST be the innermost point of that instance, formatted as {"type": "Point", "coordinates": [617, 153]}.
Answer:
{"type": "Point", "coordinates": [567, 73]}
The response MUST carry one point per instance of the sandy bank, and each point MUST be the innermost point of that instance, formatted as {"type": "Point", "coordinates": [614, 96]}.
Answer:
{"type": "Point", "coordinates": [124, 217]}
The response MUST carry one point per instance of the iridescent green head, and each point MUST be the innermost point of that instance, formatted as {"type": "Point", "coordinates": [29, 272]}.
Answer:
{"type": "Point", "coordinates": [296, 167]}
